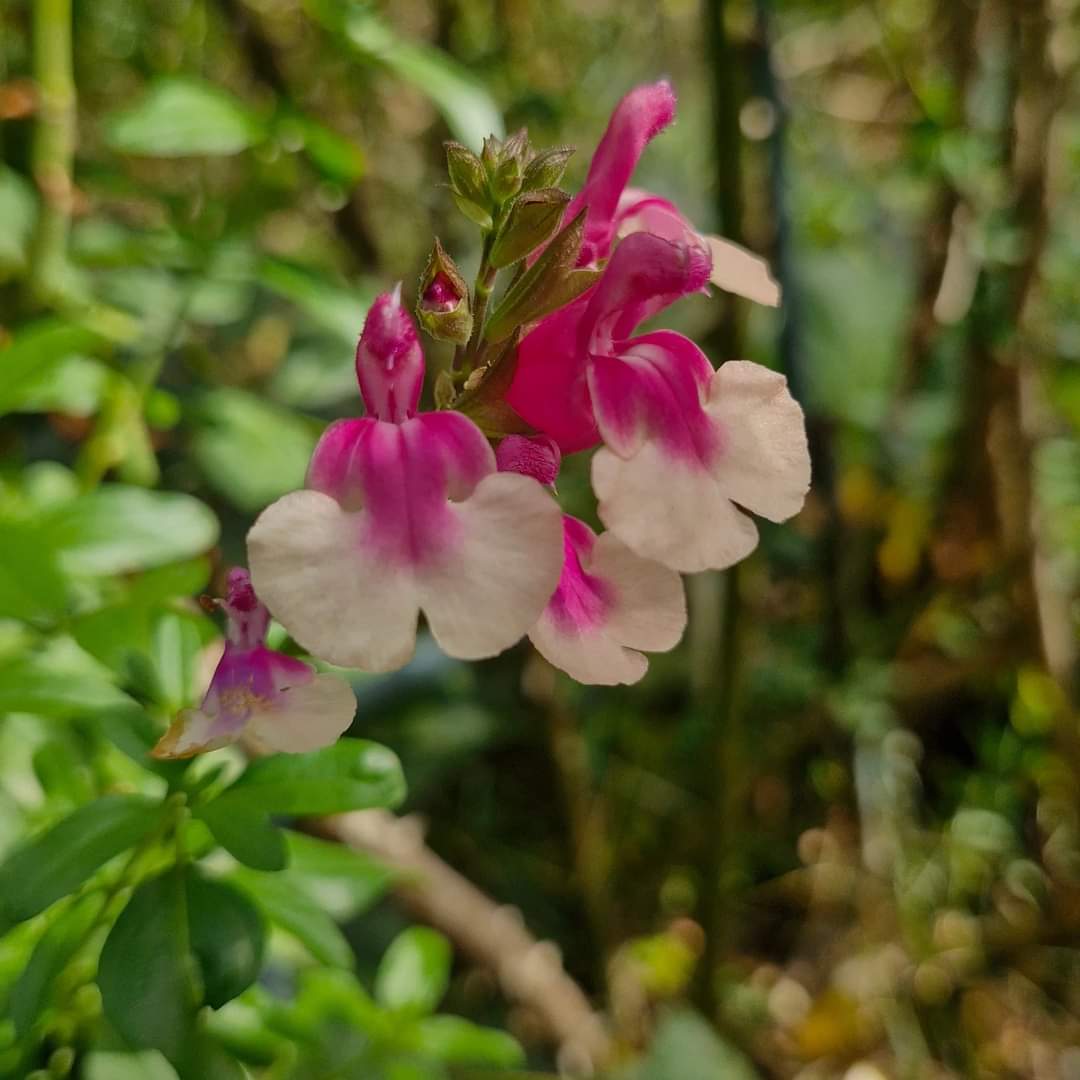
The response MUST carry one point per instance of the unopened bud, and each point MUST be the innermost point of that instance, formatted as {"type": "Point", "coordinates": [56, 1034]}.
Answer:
{"type": "Point", "coordinates": [443, 304]}
{"type": "Point", "coordinates": [466, 172]}
{"type": "Point", "coordinates": [532, 221]}
{"type": "Point", "coordinates": [546, 168]}
{"type": "Point", "coordinates": [389, 360]}
{"type": "Point", "coordinates": [531, 455]}
{"type": "Point", "coordinates": [506, 180]}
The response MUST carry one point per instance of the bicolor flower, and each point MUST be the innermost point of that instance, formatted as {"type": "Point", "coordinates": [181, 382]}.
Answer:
{"type": "Point", "coordinates": [683, 444]}
{"type": "Point", "coordinates": [550, 387]}
{"type": "Point", "coordinates": [405, 513]}
{"type": "Point", "coordinates": [276, 701]}
{"type": "Point", "coordinates": [610, 607]}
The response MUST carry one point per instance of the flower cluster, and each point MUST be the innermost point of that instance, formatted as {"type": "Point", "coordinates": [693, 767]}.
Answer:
{"type": "Point", "coordinates": [453, 512]}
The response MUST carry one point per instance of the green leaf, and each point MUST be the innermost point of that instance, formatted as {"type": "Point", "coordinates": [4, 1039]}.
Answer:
{"type": "Point", "coordinates": [34, 351]}
{"type": "Point", "coordinates": [227, 936]}
{"type": "Point", "coordinates": [183, 117]}
{"type": "Point", "coordinates": [75, 386]}
{"type": "Point", "coordinates": [114, 1065]}
{"type": "Point", "coordinates": [58, 861]}
{"type": "Point", "coordinates": [353, 774]}
{"type": "Point", "coordinates": [247, 834]}
{"type": "Point", "coordinates": [117, 529]}
{"type": "Point", "coordinates": [342, 881]}
{"type": "Point", "coordinates": [335, 156]}
{"type": "Point", "coordinates": [469, 110]}
{"type": "Point", "coordinates": [59, 681]}
{"type": "Point", "coordinates": [31, 994]}
{"type": "Point", "coordinates": [18, 212]}
{"type": "Point", "coordinates": [175, 642]}
{"type": "Point", "coordinates": [284, 903]}
{"type": "Point", "coordinates": [327, 303]}
{"type": "Point", "coordinates": [685, 1047]}
{"type": "Point", "coordinates": [455, 1041]}
{"type": "Point", "coordinates": [414, 972]}
{"type": "Point", "coordinates": [31, 584]}
{"type": "Point", "coordinates": [143, 974]}
{"type": "Point", "coordinates": [249, 449]}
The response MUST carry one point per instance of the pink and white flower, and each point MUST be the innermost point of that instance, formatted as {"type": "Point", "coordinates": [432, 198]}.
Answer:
{"type": "Point", "coordinates": [610, 606]}
{"type": "Point", "coordinates": [275, 701]}
{"type": "Point", "coordinates": [683, 443]}
{"type": "Point", "coordinates": [405, 513]}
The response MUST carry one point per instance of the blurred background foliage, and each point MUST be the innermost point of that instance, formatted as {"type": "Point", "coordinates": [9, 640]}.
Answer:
{"type": "Point", "coordinates": [833, 834]}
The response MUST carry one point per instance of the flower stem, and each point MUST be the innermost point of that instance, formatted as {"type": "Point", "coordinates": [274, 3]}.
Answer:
{"type": "Point", "coordinates": [53, 146]}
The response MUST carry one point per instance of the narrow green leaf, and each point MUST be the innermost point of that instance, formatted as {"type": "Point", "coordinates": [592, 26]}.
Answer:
{"type": "Point", "coordinates": [327, 303]}
{"type": "Point", "coordinates": [227, 936]}
{"type": "Point", "coordinates": [143, 975]}
{"type": "Point", "coordinates": [414, 971]}
{"type": "Point", "coordinates": [36, 349]}
{"type": "Point", "coordinates": [285, 904]}
{"type": "Point", "coordinates": [183, 117]}
{"type": "Point", "coordinates": [58, 861]}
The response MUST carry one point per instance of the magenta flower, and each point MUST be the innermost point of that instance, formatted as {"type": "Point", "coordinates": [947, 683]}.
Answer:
{"type": "Point", "coordinates": [273, 700]}
{"type": "Point", "coordinates": [405, 513]}
{"type": "Point", "coordinates": [610, 604]}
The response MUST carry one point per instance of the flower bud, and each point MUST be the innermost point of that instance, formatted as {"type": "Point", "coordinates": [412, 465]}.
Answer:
{"type": "Point", "coordinates": [546, 168]}
{"type": "Point", "coordinates": [466, 173]}
{"type": "Point", "coordinates": [533, 219]}
{"type": "Point", "coordinates": [531, 455]}
{"type": "Point", "coordinates": [443, 304]}
{"type": "Point", "coordinates": [506, 179]}
{"type": "Point", "coordinates": [389, 360]}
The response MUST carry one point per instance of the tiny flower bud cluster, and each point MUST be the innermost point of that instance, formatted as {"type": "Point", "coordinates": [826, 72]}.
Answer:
{"type": "Point", "coordinates": [453, 513]}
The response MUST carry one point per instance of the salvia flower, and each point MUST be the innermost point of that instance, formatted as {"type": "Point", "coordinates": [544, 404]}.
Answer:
{"type": "Point", "coordinates": [405, 513]}
{"type": "Point", "coordinates": [274, 701]}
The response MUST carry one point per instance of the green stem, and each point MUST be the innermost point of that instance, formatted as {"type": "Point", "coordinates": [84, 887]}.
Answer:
{"type": "Point", "coordinates": [53, 146]}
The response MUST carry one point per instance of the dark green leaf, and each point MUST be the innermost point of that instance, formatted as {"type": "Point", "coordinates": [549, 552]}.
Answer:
{"type": "Point", "coordinates": [227, 938]}
{"type": "Point", "coordinates": [414, 971]}
{"type": "Point", "coordinates": [143, 975]}
{"type": "Point", "coordinates": [182, 117]}
{"type": "Point", "coordinates": [59, 860]}
{"type": "Point", "coordinates": [117, 529]}
{"type": "Point", "coordinates": [247, 834]}
{"type": "Point", "coordinates": [32, 993]}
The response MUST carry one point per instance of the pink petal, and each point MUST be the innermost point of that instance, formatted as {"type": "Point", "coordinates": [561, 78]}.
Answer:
{"type": "Point", "coordinates": [608, 604]}
{"type": "Point", "coordinates": [655, 389]}
{"type": "Point", "coordinates": [765, 465]}
{"type": "Point", "coordinates": [389, 360]}
{"type": "Point", "coordinates": [638, 118]}
{"type": "Point", "coordinates": [549, 390]}
{"type": "Point", "coordinates": [645, 275]}
{"type": "Point", "coordinates": [530, 455]}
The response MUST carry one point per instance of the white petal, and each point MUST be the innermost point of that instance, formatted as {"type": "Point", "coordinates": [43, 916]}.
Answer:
{"type": "Point", "coordinates": [335, 597]}
{"type": "Point", "coordinates": [650, 613]}
{"type": "Point", "coordinates": [765, 463]}
{"type": "Point", "coordinates": [738, 271]}
{"type": "Point", "coordinates": [305, 717]}
{"type": "Point", "coordinates": [594, 658]}
{"type": "Point", "coordinates": [508, 566]}
{"type": "Point", "coordinates": [670, 511]}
